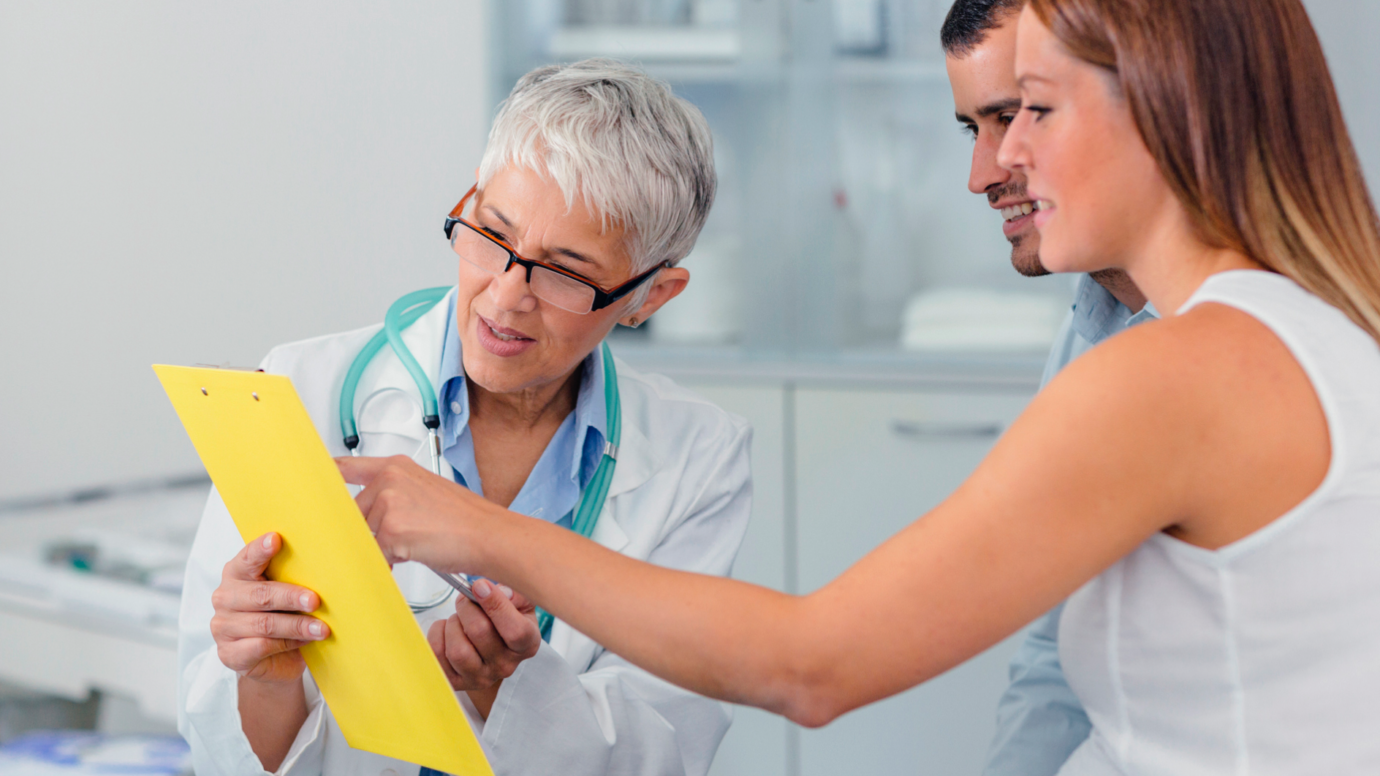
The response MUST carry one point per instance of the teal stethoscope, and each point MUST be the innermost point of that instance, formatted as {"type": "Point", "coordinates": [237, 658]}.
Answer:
{"type": "Point", "coordinates": [402, 314]}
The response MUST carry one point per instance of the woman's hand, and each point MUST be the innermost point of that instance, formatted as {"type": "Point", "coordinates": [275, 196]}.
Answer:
{"type": "Point", "coordinates": [256, 624]}
{"type": "Point", "coordinates": [414, 514]}
{"type": "Point", "coordinates": [482, 644]}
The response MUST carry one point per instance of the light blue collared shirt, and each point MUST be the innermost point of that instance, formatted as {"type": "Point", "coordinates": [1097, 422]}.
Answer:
{"type": "Point", "coordinates": [553, 488]}
{"type": "Point", "coordinates": [1039, 720]}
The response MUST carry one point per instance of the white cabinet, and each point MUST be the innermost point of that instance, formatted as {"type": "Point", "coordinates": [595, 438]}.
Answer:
{"type": "Point", "coordinates": [867, 464]}
{"type": "Point", "coordinates": [836, 472]}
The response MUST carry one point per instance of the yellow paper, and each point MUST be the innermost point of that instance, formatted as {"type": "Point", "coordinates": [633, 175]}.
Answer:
{"type": "Point", "coordinates": [376, 670]}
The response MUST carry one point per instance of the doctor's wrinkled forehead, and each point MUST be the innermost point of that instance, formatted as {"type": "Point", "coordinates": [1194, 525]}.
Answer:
{"type": "Point", "coordinates": [620, 140]}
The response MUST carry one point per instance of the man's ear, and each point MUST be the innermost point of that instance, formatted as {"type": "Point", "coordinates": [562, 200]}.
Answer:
{"type": "Point", "coordinates": [666, 286]}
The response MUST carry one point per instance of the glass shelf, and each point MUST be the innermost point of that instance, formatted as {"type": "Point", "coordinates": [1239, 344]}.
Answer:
{"type": "Point", "coordinates": [647, 44]}
{"type": "Point", "coordinates": [842, 198]}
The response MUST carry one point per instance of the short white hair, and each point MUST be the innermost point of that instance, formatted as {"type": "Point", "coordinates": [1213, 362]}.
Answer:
{"type": "Point", "coordinates": [617, 138]}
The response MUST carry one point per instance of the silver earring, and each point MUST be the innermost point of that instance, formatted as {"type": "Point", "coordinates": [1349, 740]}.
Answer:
{"type": "Point", "coordinates": [635, 323]}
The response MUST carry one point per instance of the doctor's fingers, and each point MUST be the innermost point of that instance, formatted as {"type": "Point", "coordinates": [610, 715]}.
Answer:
{"type": "Point", "coordinates": [235, 595]}
{"type": "Point", "coordinates": [466, 659]}
{"type": "Point", "coordinates": [244, 655]}
{"type": "Point", "coordinates": [516, 628]}
{"type": "Point", "coordinates": [267, 625]}
{"type": "Point", "coordinates": [479, 630]}
{"type": "Point", "coordinates": [436, 637]}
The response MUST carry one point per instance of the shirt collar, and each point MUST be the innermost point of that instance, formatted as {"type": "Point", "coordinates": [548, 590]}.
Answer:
{"type": "Point", "coordinates": [1098, 315]}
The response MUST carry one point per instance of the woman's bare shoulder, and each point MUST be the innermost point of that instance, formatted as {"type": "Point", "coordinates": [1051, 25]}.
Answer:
{"type": "Point", "coordinates": [1215, 403]}
{"type": "Point", "coordinates": [1213, 349]}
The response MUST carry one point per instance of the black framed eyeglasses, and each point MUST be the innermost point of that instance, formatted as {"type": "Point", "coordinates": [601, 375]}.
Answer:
{"type": "Point", "coordinates": [549, 283]}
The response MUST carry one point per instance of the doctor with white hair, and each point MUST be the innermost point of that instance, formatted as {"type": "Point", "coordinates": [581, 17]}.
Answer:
{"type": "Point", "coordinates": [594, 185]}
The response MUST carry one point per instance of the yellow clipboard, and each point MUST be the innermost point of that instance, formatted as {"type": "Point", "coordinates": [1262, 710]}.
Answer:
{"type": "Point", "coordinates": [376, 671]}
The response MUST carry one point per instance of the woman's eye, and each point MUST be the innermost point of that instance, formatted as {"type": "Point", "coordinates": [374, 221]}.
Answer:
{"type": "Point", "coordinates": [1038, 110]}
{"type": "Point", "coordinates": [568, 269]}
{"type": "Point", "coordinates": [494, 234]}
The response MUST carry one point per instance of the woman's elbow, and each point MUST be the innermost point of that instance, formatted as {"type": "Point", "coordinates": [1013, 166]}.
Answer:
{"type": "Point", "coordinates": [815, 697]}
{"type": "Point", "coordinates": [813, 713]}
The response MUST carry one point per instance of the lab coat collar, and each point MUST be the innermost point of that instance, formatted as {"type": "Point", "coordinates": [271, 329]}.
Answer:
{"type": "Point", "coordinates": [637, 461]}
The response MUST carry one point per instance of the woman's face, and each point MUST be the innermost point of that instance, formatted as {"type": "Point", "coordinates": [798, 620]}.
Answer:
{"type": "Point", "coordinates": [513, 341]}
{"type": "Point", "coordinates": [1101, 193]}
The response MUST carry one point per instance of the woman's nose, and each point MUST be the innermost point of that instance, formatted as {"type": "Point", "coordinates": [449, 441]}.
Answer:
{"type": "Point", "coordinates": [1014, 154]}
{"type": "Point", "coordinates": [510, 291]}
{"type": "Point", "coordinates": [985, 174]}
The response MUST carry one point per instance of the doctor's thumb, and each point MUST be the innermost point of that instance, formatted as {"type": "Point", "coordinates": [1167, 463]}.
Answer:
{"type": "Point", "coordinates": [257, 554]}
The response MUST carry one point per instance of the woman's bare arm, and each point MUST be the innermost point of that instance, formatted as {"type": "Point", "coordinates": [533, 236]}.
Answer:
{"type": "Point", "coordinates": [1126, 443]}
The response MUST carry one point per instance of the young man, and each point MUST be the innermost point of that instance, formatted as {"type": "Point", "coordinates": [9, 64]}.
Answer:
{"type": "Point", "coordinates": [1039, 721]}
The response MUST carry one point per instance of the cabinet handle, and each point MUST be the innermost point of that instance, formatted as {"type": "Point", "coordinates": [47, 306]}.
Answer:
{"type": "Point", "coordinates": [911, 429]}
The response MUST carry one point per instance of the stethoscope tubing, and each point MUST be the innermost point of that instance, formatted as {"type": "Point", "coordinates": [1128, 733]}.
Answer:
{"type": "Point", "coordinates": [402, 314]}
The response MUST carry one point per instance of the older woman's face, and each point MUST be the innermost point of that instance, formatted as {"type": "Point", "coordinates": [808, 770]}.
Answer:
{"type": "Point", "coordinates": [512, 341]}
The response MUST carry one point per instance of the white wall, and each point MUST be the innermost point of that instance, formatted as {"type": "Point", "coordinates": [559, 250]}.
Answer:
{"type": "Point", "coordinates": [195, 182]}
{"type": "Point", "coordinates": [1348, 29]}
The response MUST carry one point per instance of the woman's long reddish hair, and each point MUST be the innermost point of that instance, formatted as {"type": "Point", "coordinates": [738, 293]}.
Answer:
{"type": "Point", "coordinates": [1234, 100]}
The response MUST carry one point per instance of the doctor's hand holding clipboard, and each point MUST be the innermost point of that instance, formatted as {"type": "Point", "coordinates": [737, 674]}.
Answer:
{"type": "Point", "coordinates": [259, 626]}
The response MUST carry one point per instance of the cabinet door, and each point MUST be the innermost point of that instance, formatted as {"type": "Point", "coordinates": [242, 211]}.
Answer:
{"type": "Point", "coordinates": [757, 743]}
{"type": "Point", "coordinates": [868, 464]}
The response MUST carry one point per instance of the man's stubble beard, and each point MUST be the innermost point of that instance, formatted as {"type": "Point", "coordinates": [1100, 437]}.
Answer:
{"type": "Point", "coordinates": [1025, 255]}
{"type": "Point", "coordinates": [1025, 248]}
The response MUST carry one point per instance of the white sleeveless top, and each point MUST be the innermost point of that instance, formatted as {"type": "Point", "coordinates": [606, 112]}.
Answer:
{"type": "Point", "coordinates": [1262, 657]}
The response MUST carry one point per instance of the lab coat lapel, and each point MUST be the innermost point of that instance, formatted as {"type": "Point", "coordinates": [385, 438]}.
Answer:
{"type": "Point", "coordinates": [636, 464]}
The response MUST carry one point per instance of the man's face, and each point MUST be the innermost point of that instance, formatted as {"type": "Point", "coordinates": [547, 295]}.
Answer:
{"type": "Point", "coordinates": [986, 99]}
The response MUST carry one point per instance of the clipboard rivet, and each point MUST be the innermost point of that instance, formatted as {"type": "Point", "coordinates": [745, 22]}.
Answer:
{"type": "Point", "coordinates": [255, 395]}
{"type": "Point", "coordinates": [204, 393]}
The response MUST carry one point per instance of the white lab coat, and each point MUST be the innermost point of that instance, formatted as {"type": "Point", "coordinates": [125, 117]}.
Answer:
{"type": "Point", "coordinates": [680, 497]}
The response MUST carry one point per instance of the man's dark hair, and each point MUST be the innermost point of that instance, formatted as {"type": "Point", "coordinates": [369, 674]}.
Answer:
{"type": "Point", "coordinates": [968, 21]}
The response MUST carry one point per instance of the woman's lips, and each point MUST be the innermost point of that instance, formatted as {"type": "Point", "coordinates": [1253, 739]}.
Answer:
{"type": "Point", "coordinates": [495, 339]}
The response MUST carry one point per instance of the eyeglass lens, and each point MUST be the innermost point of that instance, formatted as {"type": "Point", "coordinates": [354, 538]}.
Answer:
{"type": "Point", "coordinates": [560, 290]}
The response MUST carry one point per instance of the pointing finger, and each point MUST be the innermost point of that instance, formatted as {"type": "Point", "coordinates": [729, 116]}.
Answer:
{"type": "Point", "coordinates": [360, 471]}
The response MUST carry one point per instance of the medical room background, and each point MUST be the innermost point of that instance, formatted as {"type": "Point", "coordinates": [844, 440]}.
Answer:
{"type": "Point", "coordinates": [194, 183]}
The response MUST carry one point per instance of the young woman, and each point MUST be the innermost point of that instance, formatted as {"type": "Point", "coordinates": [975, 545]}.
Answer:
{"type": "Point", "coordinates": [1225, 594]}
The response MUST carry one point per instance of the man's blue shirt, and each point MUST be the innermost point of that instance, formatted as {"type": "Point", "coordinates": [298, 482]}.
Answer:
{"type": "Point", "coordinates": [553, 488]}
{"type": "Point", "coordinates": [1039, 720]}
